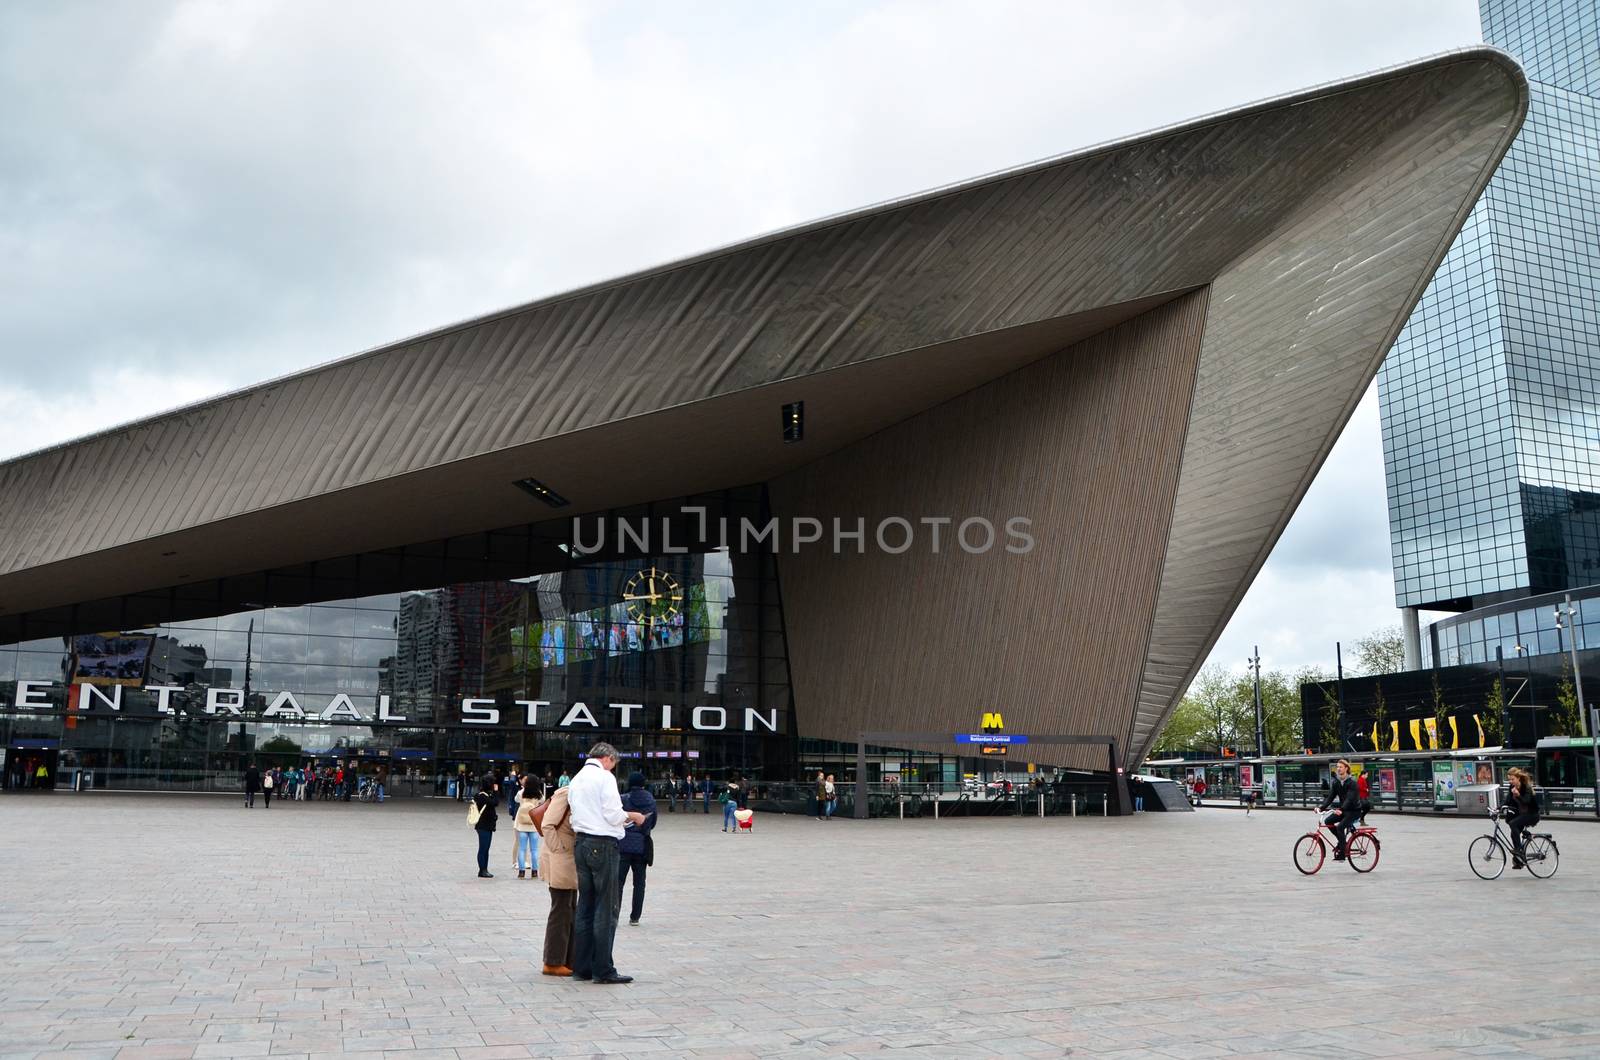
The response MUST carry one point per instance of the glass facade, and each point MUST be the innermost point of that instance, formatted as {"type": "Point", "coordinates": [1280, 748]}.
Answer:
{"type": "Point", "coordinates": [673, 649]}
{"type": "Point", "coordinates": [1520, 629]}
{"type": "Point", "coordinates": [1490, 398]}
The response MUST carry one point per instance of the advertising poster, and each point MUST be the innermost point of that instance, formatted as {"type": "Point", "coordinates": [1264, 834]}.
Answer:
{"type": "Point", "coordinates": [1269, 782]}
{"type": "Point", "coordinates": [1247, 777]}
{"type": "Point", "coordinates": [1386, 781]}
{"type": "Point", "coordinates": [1485, 772]}
{"type": "Point", "coordinates": [1444, 783]}
{"type": "Point", "coordinates": [1466, 771]}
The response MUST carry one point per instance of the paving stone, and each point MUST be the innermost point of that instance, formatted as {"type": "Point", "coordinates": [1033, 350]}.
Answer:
{"type": "Point", "coordinates": [332, 930]}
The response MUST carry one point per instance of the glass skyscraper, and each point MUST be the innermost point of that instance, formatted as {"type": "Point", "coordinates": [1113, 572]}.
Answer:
{"type": "Point", "coordinates": [1491, 396]}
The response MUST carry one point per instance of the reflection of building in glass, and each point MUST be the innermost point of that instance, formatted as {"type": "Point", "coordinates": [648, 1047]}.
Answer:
{"type": "Point", "coordinates": [415, 668]}
{"type": "Point", "coordinates": [1491, 395]}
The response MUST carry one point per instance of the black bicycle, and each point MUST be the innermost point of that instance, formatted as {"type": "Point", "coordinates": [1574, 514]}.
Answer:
{"type": "Point", "coordinates": [1488, 853]}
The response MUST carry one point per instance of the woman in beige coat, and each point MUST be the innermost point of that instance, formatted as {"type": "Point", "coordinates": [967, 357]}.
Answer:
{"type": "Point", "coordinates": [560, 870]}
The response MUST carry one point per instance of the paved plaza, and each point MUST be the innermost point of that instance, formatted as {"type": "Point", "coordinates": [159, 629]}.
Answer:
{"type": "Point", "coordinates": [186, 926]}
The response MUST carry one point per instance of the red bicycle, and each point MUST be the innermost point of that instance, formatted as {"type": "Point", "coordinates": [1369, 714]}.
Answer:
{"type": "Point", "coordinates": [1311, 849]}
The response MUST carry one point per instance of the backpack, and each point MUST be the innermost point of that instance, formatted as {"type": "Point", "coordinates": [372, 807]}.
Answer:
{"type": "Point", "coordinates": [474, 812]}
{"type": "Point", "coordinates": [266, 781]}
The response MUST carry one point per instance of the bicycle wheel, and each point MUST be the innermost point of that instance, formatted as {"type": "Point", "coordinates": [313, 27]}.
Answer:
{"type": "Point", "coordinates": [1487, 858]}
{"type": "Point", "coordinates": [1309, 851]}
{"type": "Point", "coordinates": [1541, 857]}
{"type": "Point", "coordinates": [1363, 853]}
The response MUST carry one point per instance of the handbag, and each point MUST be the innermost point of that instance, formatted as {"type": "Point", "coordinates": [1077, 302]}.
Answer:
{"type": "Point", "coordinates": [474, 813]}
{"type": "Point", "coordinates": [536, 815]}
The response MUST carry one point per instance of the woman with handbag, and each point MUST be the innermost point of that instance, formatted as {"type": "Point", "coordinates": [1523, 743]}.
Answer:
{"type": "Point", "coordinates": [559, 867]}
{"type": "Point", "coordinates": [527, 849]}
{"type": "Point", "coordinates": [483, 814]}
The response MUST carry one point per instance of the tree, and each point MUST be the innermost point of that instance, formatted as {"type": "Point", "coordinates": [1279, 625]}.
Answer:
{"type": "Point", "coordinates": [1208, 717]}
{"type": "Point", "coordinates": [1564, 719]}
{"type": "Point", "coordinates": [1494, 706]}
{"type": "Point", "coordinates": [1383, 651]}
{"type": "Point", "coordinates": [1280, 705]}
{"type": "Point", "coordinates": [281, 748]}
{"type": "Point", "coordinates": [1441, 709]}
{"type": "Point", "coordinates": [1380, 715]}
{"type": "Point", "coordinates": [1219, 711]}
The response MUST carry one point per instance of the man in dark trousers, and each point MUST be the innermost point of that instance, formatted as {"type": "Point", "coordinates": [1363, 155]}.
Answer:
{"type": "Point", "coordinates": [252, 784]}
{"type": "Point", "coordinates": [637, 849]}
{"type": "Point", "coordinates": [599, 821]}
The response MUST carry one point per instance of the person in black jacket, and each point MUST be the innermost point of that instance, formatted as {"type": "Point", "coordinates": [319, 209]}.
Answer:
{"type": "Point", "coordinates": [1522, 812]}
{"type": "Point", "coordinates": [252, 784]}
{"type": "Point", "coordinates": [1345, 799]}
{"type": "Point", "coordinates": [488, 816]}
{"type": "Point", "coordinates": [637, 848]}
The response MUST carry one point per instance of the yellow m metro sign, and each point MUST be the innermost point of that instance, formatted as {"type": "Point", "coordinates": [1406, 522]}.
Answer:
{"type": "Point", "coordinates": [992, 722]}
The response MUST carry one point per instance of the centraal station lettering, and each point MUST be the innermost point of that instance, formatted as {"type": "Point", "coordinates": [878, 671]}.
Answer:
{"type": "Point", "coordinates": [526, 713]}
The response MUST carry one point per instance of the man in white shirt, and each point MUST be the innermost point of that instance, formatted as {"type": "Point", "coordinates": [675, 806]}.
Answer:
{"type": "Point", "coordinates": [599, 820]}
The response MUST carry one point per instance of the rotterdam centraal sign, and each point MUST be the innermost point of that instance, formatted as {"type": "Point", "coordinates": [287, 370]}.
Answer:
{"type": "Point", "coordinates": [529, 713]}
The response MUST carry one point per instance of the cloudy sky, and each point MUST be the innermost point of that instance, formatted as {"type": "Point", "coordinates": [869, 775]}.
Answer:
{"type": "Point", "coordinates": [196, 196]}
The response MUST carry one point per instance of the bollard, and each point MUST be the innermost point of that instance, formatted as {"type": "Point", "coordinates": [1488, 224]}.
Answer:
{"type": "Point", "coordinates": [1074, 799]}
{"type": "Point", "coordinates": [1041, 804]}
{"type": "Point", "coordinates": [902, 803]}
{"type": "Point", "coordinates": [936, 807]}
{"type": "Point", "coordinates": [1105, 806]}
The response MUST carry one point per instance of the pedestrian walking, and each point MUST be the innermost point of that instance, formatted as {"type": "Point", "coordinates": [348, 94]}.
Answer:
{"type": "Point", "coordinates": [730, 804]}
{"type": "Point", "coordinates": [252, 784]}
{"type": "Point", "coordinates": [487, 804]}
{"type": "Point", "coordinates": [822, 795]}
{"type": "Point", "coordinates": [527, 846]}
{"type": "Point", "coordinates": [832, 794]}
{"type": "Point", "coordinates": [267, 783]}
{"type": "Point", "coordinates": [564, 780]}
{"type": "Point", "coordinates": [598, 819]}
{"type": "Point", "coordinates": [637, 849]}
{"type": "Point", "coordinates": [559, 869]}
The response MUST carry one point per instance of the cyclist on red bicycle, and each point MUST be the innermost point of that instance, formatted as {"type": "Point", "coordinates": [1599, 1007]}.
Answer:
{"type": "Point", "coordinates": [1345, 799]}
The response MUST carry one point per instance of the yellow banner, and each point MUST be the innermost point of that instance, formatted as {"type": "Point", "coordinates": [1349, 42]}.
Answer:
{"type": "Point", "coordinates": [1416, 734]}
{"type": "Point", "coordinates": [1455, 734]}
{"type": "Point", "coordinates": [1375, 746]}
{"type": "Point", "coordinates": [1394, 736]}
{"type": "Point", "coordinates": [1432, 725]}
{"type": "Point", "coordinates": [1483, 741]}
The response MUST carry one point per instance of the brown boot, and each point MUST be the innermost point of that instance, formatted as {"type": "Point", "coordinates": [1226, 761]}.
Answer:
{"type": "Point", "coordinates": [557, 969]}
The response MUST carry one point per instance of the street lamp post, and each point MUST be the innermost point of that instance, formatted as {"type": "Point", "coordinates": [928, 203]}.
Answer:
{"type": "Point", "coordinates": [1567, 614]}
{"type": "Point", "coordinates": [1527, 683]}
{"type": "Point", "coordinates": [1261, 730]}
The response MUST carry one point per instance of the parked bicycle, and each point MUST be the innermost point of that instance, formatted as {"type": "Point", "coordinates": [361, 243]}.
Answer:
{"type": "Point", "coordinates": [1311, 849]}
{"type": "Point", "coordinates": [1487, 854]}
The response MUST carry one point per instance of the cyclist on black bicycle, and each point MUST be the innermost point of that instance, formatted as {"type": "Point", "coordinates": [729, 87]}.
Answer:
{"type": "Point", "coordinates": [1521, 811]}
{"type": "Point", "coordinates": [1345, 799]}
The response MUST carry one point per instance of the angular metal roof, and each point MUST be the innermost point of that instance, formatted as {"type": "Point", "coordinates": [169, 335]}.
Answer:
{"type": "Point", "coordinates": [1315, 220]}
